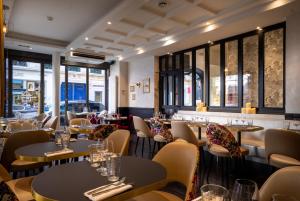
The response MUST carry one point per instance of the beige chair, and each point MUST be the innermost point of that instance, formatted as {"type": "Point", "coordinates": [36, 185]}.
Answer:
{"type": "Point", "coordinates": [17, 140]}
{"type": "Point", "coordinates": [180, 161]}
{"type": "Point", "coordinates": [142, 131]}
{"type": "Point", "coordinates": [77, 122]}
{"type": "Point", "coordinates": [70, 116]}
{"type": "Point", "coordinates": [40, 117]}
{"type": "Point", "coordinates": [52, 123]}
{"type": "Point", "coordinates": [18, 126]}
{"type": "Point", "coordinates": [284, 181]}
{"type": "Point", "coordinates": [120, 139]}
{"type": "Point", "coordinates": [20, 187]}
{"type": "Point", "coordinates": [44, 121]}
{"type": "Point", "coordinates": [282, 148]}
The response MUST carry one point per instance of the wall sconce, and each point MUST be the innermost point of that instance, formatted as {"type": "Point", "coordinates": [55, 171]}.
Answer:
{"type": "Point", "coordinates": [138, 84]}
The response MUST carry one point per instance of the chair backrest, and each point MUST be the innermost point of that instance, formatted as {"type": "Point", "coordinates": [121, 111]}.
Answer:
{"type": "Point", "coordinates": [70, 115]}
{"type": "Point", "coordinates": [140, 125]}
{"type": "Point", "coordinates": [44, 121]}
{"type": "Point", "coordinates": [278, 141]}
{"type": "Point", "coordinates": [284, 181]}
{"type": "Point", "coordinates": [4, 175]}
{"type": "Point", "coordinates": [120, 139]}
{"type": "Point", "coordinates": [18, 140]}
{"type": "Point", "coordinates": [52, 123]}
{"type": "Point", "coordinates": [77, 121]}
{"type": "Point", "coordinates": [40, 117]}
{"type": "Point", "coordinates": [20, 126]}
{"type": "Point", "coordinates": [180, 161]}
{"type": "Point", "coordinates": [220, 135]}
{"type": "Point", "coordinates": [180, 129]}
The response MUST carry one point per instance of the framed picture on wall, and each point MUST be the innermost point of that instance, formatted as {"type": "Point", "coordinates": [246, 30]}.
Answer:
{"type": "Point", "coordinates": [146, 85]}
{"type": "Point", "coordinates": [132, 88]}
{"type": "Point", "coordinates": [30, 86]}
{"type": "Point", "coordinates": [133, 97]}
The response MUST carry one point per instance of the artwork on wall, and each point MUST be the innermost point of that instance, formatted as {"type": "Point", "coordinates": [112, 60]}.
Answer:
{"type": "Point", "coordinates": [146, 85]}
{"type": "Point", "coordinates": [133, 96]}
{"type": "Point", "coordinates": [132, 88]}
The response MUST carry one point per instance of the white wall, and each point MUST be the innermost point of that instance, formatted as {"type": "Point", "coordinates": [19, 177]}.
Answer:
{"type": "Point", "coordinates": [138, 70]}
{"type": "Point", "coordinates": [292, 91]}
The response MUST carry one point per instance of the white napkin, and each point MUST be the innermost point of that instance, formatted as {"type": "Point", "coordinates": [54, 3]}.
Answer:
{"type": "Point", "coordinates": [121, 188]}
{"type": "Point", "coordinates": [59, 152]}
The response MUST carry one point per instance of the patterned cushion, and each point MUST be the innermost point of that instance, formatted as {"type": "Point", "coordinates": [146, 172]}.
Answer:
{"type": "Point", "coordinates": [5, 193]}
{"type": "Point", "coordinates": [220, 135]}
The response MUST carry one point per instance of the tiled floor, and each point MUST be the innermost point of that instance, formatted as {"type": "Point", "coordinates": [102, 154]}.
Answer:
{"type": "Point", "coordinates": [255, 171]}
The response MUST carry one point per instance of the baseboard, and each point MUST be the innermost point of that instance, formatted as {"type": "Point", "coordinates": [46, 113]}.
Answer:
{"type": "Point", "coordinates": [292, 116]}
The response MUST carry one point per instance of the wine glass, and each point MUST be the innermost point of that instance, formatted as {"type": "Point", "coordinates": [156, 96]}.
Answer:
{"type": "Point", "coordinates": [244, 190]}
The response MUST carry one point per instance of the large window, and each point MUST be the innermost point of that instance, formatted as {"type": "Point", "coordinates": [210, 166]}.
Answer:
{"type": "Point", "coordinates": [96, 90]}
{"type": "Point", "coordinates": [229, 73]}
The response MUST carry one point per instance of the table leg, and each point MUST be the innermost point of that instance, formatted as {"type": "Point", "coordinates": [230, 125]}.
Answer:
{"type": "Point", "coordinates": [199, 132]}
{"type": "Point", "coordinates": [239, 138]}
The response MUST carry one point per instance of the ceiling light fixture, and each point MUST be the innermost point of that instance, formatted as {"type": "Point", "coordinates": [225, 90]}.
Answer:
{"type": "Point", "coordinates": [162, 3]}
{"type": "Point", "coordinates": [207, 23]}
{"type": "Point", "coordinates": [86, 38]}
{"type": "Point", "coordinates": [30, 48]}
{"type": "Point", "coordinates": [4, 28]}
{"type": "Point", "coordinates": [259, 28]}
{"type": "Point", "coordinates": [71, 48]}
{"type": "Point", "coordinates": [140, 51]}
{"type": "Point", "coordinates": [210, 42]}
{"type": "Point", "coordinates": [109, 22]}
{"type": "Point", "coordinates": [49, 18]}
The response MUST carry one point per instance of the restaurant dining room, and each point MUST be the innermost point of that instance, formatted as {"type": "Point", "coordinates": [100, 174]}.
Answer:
{"type": "Point", "coordinates": [149, 100]}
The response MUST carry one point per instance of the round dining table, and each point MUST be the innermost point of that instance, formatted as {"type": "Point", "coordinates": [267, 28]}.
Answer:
{"type": "Point", "coordinates": [70, 181]}
{"type": "Point", "coordinates": [243, 128]}
{"type": "Point", "coordinates": [36, 152]}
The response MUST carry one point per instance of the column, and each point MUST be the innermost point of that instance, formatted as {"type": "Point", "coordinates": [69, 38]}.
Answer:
{"type": "Point", "coordinates": [56, 85]}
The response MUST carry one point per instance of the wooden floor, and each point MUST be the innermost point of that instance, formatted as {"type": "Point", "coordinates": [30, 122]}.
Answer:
{"type": "Point", "coordinates": [251, 170]}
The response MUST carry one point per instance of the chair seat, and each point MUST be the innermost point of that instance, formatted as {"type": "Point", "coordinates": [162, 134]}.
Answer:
{"type": "Point", "coordinates": [218, 150]}
{"type": "Point", "coordinates": [159, 138]}
{"type": "Point", "coordinates": [21, 188]}
{"type": "Point", "coordinates": [201, 143]}
{"type": "Point", "coordinates": [141, 134]}
{"type": "Point", "coordinates": [281, 161]}
{"type": "Point", "coordinates": [18, 165]}
{"type": "Point", "coordinates": [156, 196]}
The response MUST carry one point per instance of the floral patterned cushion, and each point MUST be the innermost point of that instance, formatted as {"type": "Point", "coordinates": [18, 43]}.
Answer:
{"type": "Point", "coordinates": [159, 128]}
{"type": "Point", "coordinates": [220, 135]}
{"type": "Point", "coordinates": [102, 131]}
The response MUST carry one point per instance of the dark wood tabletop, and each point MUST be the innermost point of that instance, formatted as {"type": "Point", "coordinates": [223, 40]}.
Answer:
{"type": "Point", "coordinates": [36, 152]}
{"type": "Point", "coordinates": [70, 181]}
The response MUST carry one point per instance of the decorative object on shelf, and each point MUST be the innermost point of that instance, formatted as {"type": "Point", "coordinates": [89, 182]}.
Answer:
{"type": "Point", "coordinates": [201, 107]}
{"type": "Point", "coordinates": [146, 85]}
{"type": "Point", "coordinates": [132, 88]}
{"type": "Point", "coordinates": [248, 109]}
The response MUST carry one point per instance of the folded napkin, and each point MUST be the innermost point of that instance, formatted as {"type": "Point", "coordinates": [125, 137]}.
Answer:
{"type": "Point", "coordinates": [59, 152]}
{"type": "Point", "coordinates": [106, 192]}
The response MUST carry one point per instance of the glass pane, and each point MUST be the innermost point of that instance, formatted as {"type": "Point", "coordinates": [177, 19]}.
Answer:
{"type": "Point", "coordinates": [273, 72]}
{"type": "Point", "coordinates": [96, 90]}
{"type": "Point", "coordinates": [62, 95]}
{"type": "Point", "coordinates": [214, 75]}
{"type": "Point", "coordinates": [187, 89]}
{"type": "Point", "coordinates": [48, 89]}
{"type": "Point", "coordinates": [26, 88]}
{"type": "Point", "coordinates": [170, 94]}
{"type": "Point", "coordinates": [176, 90]}
{"type": "Point", "coordinates": [165, 88]}
{"type": "Point", "coordinates": [170, 62]}
{"type": "Point", "coordinates": [231, 73]}
{"type": "Point", "coordinates": [250, 71]}
{"type": "Point", "coordinates": [77, 90]}
{"type": "Point", "coordinates": [163, 64]}
{"type": "Point", "coordinates": [177, 61]}
{"type": "Point", "coordinates": [187, 60]}
{"type": "Point", "coordinates": [200, 70]}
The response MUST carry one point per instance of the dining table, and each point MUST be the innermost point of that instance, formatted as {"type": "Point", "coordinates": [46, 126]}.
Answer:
{"type": "Point", "coordinates": [70, 181]}
{"type": "Point", "coordinates": [36, 152]}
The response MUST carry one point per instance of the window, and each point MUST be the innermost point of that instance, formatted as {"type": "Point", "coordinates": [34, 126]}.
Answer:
{"type": "Point", "coordinates": [74, 69]}
{"type": "Point", "coordinates": [96, 90]}
{"type": "Point", "coordinates": [187, 79]}
{"type": "Point", "coordinates": [214, 76]}
{"type": "Point", "coordinates": [170, 94]}
{"type": "Point", "coordinates": [250, 70]}
{"type": "Point", "coordinates": [96, 71]}
{"type": "Point", "coordinates": [200, 69]}
{"type": "Point", "coordinates": [231, 74]}
{"type": "Point", "coordinates": [273, 69]}
{"type": "Point", "coordinates": [48, 88]}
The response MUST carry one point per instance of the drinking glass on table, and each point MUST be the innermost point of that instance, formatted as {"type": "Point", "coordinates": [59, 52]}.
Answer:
{"type": "Point", "coordinates": [108, 152]}
{"type": "Point", "coordinates": [212, 192]}
{"type": "Point", "coordinates": [65, 140]}
{"type": "Point", "coordinates": [244, 190]}
{"type": "Point", "coordinates": [282, 197]}
{"type": "Point", "coordinates": [113, 165]}
{"type": "Point", "coordinates": [95, 154]}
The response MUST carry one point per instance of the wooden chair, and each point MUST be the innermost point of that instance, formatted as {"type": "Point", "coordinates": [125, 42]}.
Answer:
{"type": "Point", "coordinates": [180, 159]}
{"type": "Point", "coordinates": [17, 140]}
{"type": "Point", "coordinates": [120, 139]}
{"type": "Point", "coordinates": [282, 148]}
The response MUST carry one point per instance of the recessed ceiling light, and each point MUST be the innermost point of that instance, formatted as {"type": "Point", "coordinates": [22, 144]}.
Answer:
{"type": "Point", "coordinates": [207, 23]}
{"type": "Point", "coordinates": [71, 48]}
{"type": "Point", "coordinates": [210, 42]}
{"type": "Point", "coordinates": [86, 38]}
{"type": "Point", "coordinates": [30, 48]}
{"type": "Point", "coordinates": [259, 28]}
{"type": "Point", "coordinates": [109, 22]}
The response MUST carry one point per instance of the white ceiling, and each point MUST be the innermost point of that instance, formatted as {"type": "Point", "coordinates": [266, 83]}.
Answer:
{"type": "Point", "coordinates": [139, 27]}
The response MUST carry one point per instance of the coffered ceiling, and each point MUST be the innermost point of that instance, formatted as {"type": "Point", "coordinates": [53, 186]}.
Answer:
{"type": "Point", "coordinates": [129, 28]}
